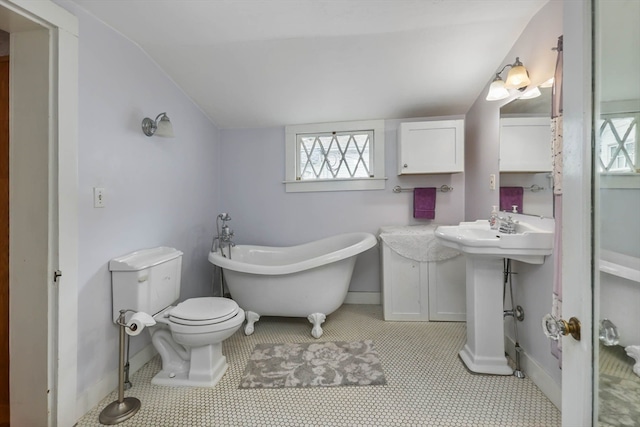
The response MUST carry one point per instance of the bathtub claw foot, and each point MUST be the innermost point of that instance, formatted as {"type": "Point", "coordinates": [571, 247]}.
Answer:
{"type": "Point", "coordinates": [317, 319]}
{"type": "Point", "coordinates": [251, 319]}
{"type": "Point", "coordinates": [634, 352]}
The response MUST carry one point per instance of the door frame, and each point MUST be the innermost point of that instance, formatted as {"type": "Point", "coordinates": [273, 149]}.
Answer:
{"type": "Point", "coordinates": [577, 218]}
{"type": "Point", "coordinates": [53, 33]}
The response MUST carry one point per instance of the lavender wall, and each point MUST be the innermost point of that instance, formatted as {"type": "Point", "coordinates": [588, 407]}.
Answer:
{"type": "Point", "coordinates": [252, 171]}
{"type": "Point", "coordinates": [533, 284]}
{"type": "Point", "coordinates": [159, 191]}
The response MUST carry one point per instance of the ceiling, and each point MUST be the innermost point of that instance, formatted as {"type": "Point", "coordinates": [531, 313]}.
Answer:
{"type": "Point", "coordinates": [263, 63]}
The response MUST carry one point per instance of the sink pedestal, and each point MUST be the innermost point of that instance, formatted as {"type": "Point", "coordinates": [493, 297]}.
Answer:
{"type": "Point", "coordinates": [484, 350]}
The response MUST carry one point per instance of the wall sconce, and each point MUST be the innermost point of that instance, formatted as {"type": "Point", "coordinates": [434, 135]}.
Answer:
{"type": "Point", "coordinates": [161, 126]}
{"type": "Point", "coordinates": [531, 93]}
{"type": "Point", "coordinates": [517, 78]}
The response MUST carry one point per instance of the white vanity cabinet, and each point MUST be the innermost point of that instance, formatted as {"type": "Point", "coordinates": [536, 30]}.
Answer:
{"type": "Point", "coordinates": [431, 147]}
{"type": "Point", "coordinates": [414, 290]}
{"type": "Point", "coordinates": [525, 144]}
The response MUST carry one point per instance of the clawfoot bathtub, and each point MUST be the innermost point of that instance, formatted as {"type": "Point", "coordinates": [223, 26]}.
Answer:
{"type": "Point", "coordinates": [309, 280]}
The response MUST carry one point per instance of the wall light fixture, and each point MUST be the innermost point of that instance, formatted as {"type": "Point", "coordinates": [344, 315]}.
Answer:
{"type": "Point", "coordinates": [161, 126]}
{"type": "Point", "coordinates": [517, 78]}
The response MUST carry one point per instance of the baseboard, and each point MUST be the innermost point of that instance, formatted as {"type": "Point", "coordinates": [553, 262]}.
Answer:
{"type": "Point", "coordinates": [363, 298]}
{"type": "Point", "coordinates": [98, 391]}
{"type": "Point", "coordinates": [539, 376]}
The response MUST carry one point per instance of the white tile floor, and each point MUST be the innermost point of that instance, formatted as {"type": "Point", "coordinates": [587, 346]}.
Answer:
{"type": "Point", "coordinates": [427, 384]}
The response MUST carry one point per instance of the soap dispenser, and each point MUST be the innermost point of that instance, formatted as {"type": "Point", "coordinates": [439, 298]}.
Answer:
{"type": "Point", "coordinates": [493, 219]}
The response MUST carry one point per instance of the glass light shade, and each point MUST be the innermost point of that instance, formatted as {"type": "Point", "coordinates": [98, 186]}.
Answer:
{"type": "Point", "coordinates": [547, 83]}
{"type": "Point", "coordinates": [497, 91]}
{"type": "Point", "coordinates": [165, 128]}
{"type": "Point", "coordinates": [517, 78]}
{"type": "Point", "coordinates": [531, 93]}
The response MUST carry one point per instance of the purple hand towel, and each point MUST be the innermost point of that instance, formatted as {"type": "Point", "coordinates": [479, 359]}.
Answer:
{"type": "Point", "coordinates": [510, 196]}
{"type": "Point", "coordinates": [424, 203]}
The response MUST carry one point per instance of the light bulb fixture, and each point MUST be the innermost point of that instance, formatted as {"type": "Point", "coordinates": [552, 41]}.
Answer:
{"type": "Point", "coordinates": [517, 78]}
{"type": "Point", "coordinates": [547, 83]}
{"type": "Point", "coordinates": [531, 93]}
{"type": "Point", "coordinates": [161, 126]}
{"type": "Point", "coordinates": [497, 90]}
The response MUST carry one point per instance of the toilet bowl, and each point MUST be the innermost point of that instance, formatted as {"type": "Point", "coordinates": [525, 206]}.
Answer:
{"type": "Point", "coordinates": [189, 339]}
{"type": "Point", "coordinates": [188, 335]}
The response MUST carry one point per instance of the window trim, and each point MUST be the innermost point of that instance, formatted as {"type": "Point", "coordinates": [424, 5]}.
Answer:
{"type": "Point", "coordinates": [376, 182]}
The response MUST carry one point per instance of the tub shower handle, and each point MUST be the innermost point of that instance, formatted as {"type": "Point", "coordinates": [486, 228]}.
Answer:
{"type": "Point", "coordinates": [555, 328]}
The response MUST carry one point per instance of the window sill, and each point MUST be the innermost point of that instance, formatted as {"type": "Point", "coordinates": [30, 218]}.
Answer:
{"type": "Point", "coordinates": [620, 180]}
{"type": "Point", "coordinates": [335, 185]}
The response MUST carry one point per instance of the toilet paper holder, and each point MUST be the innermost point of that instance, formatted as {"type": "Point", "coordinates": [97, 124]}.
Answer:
{"type": "Point", "coordinates": [125, 407]}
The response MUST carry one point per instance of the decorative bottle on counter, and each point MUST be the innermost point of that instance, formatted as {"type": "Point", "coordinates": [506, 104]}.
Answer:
{"type": "Point", "coordinates": [493, 219]}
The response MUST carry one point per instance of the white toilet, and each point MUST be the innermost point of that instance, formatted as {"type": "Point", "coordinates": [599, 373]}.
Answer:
{"type": "Point", "coordinates": [188, 336]}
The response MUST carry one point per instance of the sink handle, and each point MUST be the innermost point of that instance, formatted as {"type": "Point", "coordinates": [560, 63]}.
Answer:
{"type": "Point", "coordinates": [555, 328]}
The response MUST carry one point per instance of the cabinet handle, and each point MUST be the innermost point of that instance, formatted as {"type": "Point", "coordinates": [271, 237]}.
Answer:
{"type": "Point", "coordinates": [406, 165]}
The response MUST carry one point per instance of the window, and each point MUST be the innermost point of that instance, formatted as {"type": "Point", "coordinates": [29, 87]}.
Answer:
{"type": "Point", "coordinates": [619, 138]}
{"type": "Point", "coordinates": [335, 156]}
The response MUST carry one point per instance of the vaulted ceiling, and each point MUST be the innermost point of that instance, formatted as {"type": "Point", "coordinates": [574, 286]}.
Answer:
{"type": "Point", "coordinates": [262, 63]}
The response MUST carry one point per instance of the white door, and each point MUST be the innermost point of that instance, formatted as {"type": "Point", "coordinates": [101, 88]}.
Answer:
{"type": "Point", "coordinates": [43, 211]}
{"type": "Point", "coordinates": [600, 204]}
{"type": "Point", "coordinates": [577, 377]}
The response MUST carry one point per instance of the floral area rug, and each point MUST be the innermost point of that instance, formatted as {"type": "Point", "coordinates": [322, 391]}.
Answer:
{"type": "Point", "coordinates": [316, 364]}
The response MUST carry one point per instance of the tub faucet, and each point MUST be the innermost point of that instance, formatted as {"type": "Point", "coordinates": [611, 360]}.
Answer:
{"type": "Point", "coordinates": [224, 235]}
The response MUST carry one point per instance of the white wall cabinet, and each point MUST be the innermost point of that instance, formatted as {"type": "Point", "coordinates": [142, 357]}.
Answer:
{"type": "Point", "coordinates": [525, 144]}
{"type": "Point", "coordinates": [422, 291]}
{"type": "Point", "coordinates": [431, 147]}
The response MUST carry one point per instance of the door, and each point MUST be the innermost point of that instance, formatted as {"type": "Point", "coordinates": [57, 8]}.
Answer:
{"type": "Point", "coordinates": [4, 241]}
{"type": "Point", "coordinates": [577, 221]}
{"type": "Point", "coordinates": [43, 212]}
{"type": "Point", "coordinates": [601, 200]}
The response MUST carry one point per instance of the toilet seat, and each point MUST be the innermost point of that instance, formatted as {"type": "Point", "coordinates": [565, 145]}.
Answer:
{"type": "Point", "coordinates": [203, 311]}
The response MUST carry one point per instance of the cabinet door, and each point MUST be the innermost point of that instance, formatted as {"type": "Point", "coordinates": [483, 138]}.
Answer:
{"type": "Point", "coordinates": [404, 287]}
{"type": "Point", "coordinates": [447, 289]}
{"type": "Point", "coordinates": [525, 144]}
{"type": "Point", "coordinates": [431, 147]}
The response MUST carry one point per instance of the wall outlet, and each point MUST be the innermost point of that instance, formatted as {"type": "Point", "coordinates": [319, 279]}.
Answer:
{"type": "Point", "coordinates": [98, 197]}
{"type": "Point", "coordinates": [492, 181]}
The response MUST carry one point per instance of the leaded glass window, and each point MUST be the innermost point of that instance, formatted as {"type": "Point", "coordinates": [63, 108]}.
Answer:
{"type": "Point", "coordinates": [619, 138]}
{"type": "Point", "coordinates": [334, 155]}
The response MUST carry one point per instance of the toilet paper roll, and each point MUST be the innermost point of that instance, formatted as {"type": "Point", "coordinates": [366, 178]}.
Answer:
{"type": "Point", "coordinates": [138, 322]}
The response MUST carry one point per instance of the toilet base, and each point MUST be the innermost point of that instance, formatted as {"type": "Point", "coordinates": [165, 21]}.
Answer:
{"type": "Point", "coordinates": [205, 368]}
{"type": "Point", "coordinates": [181, 378]}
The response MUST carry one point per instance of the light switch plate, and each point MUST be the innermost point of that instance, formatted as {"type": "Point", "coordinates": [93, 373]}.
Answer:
{"type": "Point", "coordinates": [98, 197]}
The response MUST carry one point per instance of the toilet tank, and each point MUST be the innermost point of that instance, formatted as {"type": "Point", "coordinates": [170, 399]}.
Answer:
{"type": "Point", "coordinates": [147, 280]}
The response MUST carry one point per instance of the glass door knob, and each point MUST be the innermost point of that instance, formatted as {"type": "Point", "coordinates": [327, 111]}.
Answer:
{"type": "Point", "coordinates": [555, 328]}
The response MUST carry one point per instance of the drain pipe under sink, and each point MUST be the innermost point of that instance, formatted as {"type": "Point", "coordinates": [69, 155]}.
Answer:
{"type": "Point", "coordinates": [517, 312]}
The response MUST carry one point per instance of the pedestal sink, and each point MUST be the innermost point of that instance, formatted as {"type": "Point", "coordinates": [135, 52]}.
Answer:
{"type": "Point", "coordinates": [485, 250]}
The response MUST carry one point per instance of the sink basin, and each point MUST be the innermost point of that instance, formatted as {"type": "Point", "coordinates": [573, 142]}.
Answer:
{"type": "Point", "coordinates": [532, 241]}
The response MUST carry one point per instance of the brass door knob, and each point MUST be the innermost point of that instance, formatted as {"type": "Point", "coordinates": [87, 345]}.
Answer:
{"type": "Point", "coordinates": [555, 328]}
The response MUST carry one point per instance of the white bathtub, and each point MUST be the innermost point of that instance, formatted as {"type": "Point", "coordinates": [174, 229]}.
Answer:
{"type": "Point", "coordinates": [620, 299]}
{"type": "Point", "coordinates": [309, 280]}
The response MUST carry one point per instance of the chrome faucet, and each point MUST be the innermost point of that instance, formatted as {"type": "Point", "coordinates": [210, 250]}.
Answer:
{"type": "Point", "coordinates": [507, 225]}
{"type": "Point", "coordinates": [224, 236]}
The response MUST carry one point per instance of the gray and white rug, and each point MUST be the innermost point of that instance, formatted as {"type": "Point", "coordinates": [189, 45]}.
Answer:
{"type": "Point", "coordinates": [314, 364]}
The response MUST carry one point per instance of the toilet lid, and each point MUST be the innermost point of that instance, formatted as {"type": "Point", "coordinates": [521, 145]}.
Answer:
{"type": "Point", "coordinates": [204, 311]}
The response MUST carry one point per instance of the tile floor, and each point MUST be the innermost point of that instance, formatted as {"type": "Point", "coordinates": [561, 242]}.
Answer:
{"type": "Point", "coordinates": [427, 384]}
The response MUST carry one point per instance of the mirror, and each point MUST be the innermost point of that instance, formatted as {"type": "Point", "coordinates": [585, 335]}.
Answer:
{"type": "Point", "coordinates": [525, 155]}
{"type": "Point", "coordinates": [617, 203]}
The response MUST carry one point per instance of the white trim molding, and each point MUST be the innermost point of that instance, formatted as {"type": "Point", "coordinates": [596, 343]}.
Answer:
{"type": "Point", "coordinates": [376, 181]}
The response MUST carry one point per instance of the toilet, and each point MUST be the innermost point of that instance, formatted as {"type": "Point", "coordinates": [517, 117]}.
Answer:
{"type": "Point", "coordinates": [188, 336]}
